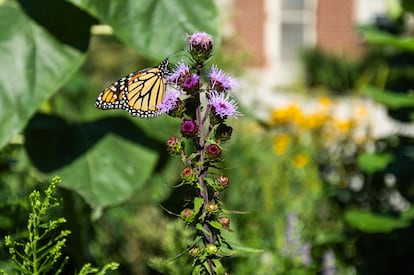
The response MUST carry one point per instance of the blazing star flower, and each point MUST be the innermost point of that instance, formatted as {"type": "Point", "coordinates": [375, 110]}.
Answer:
{"type": "Point", "coordinates": [221, 81]}
{"type": "Point", "coordinates": [181, 71]}
{"type": "Point", "coordinates": [223, 106]}
{"type": "Point", "coordinates": [201, 46]}
{"type": "Point", "coordinates": [200, 40]}
{"type": "Point", "coordinates": [170, 101]}
{"type": "Point", "coordinates": [191, 82]}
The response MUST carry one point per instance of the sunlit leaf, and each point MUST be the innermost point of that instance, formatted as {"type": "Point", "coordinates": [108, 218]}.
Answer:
{"type": "Point", "coordinates": [154, 27]}
{"type": "Point", "coordinates": [34, 64]}
{"type": "Point", "coordinates": [105, 178]}
{"type": "Point", "coordinates": [374, 36]}
{"type": "Point", "coordinates": [372, 162]}
{"type": "Point", "coordinates": [408, 214]}
{"type": "Point", "coordinates": [373, 223]}
{"type": "Point", "coordinates": [104, 161]}
{"type": "Point", "coordinates": [390, 99]}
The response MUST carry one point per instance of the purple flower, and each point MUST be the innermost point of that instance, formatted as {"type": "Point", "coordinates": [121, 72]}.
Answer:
{"type": "Point", "coordinates": [181, 71]}
{"type": "Point", "coordinates": [191, 82]}
{"type": "Point", "coordinates": [221, 81]}
{"type": "Point", "coordinates": [223, 105]}
{"type": "Point", "coordinates": [170, 101]}
{"type": "Point", "coordinates": [200, 40]}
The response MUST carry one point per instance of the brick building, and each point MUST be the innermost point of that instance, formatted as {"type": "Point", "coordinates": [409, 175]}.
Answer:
{"type": "Point", "coordinates": [272, 32]}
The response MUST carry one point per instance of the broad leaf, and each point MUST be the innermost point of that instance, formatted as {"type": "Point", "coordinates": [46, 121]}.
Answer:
{"type": "Point", "coordinates": [372, 162]}
{"type": "Point", "coordinates": [34, 64]}
{"type": "Point", "coordinates": [154, 27]}
{"type": "Point", "coordinates": [390, 99]}
{"type": "Point", "coordinates": [104, 161]}
{"type": "Point", "coordinates": [374, 36]}
{"type": "Point", "coordinates": [372, 223]}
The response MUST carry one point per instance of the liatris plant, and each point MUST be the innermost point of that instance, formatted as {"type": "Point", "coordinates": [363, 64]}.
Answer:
{"type": "Point", "coordinates": [203, 109]}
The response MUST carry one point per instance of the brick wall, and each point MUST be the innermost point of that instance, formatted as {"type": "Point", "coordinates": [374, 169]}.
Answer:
{"type": "Point", "coordinates": [249, 29]}
{"type": "Point", "coordinates": [335, 27]}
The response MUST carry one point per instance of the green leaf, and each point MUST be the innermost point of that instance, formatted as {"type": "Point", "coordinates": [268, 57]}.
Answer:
{"type": "Point", "coordinates": [408, 214]}
{"type": "Point", "coordinates": [105, 177]}
{"type": "Point", "coordinates": [154, 27]}
{"type": "Point", "coordinates": [218, 267]}
{"type": "Point", "coordinates": [390, 99]}
{"type": "Point", "coordinates": [374, 36]}
{"type": "Point", "coordinates": [216, 224]}
{"type": "Point", "coordinates": [104, 161]}
{"type": "Point", "coordinates": [34, 64]}
{"type": "Point", "coordinates": [373, 223]}
{"type": "Point", "coordinates": [198, 202]}
{"type": "Point", "coordinates": [372, 162]}
{"type": "Point", "coordinates": [201, 228]}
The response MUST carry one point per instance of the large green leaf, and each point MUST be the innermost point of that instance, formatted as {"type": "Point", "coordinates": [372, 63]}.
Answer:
{"type": "Point", "coordinates": [374, 36]}
{"type": "Point", "coordinates": [33, 66]}
{"type": "Point", "coordinates": [154, 27]}
{"type": "Point", "coordinates": [372, 162]}
{"type": "Point", "coordinates": [105, 161]}
{"type": "Point", "coordinates": [373, 223]}
{"type": "Point", "coordinates": [390, 99]}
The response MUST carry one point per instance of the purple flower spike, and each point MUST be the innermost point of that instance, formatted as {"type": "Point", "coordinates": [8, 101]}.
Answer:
{"type": "Point", "coordinates": [170, 101]}
{"type": "Point", "coordinates": [221, 81]}
{"type": "Point", "coordinates": [223, 105]}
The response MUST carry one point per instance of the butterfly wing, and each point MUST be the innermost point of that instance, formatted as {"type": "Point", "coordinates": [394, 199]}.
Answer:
{"type": "Point", "coordinates": [138, 93]}
{"type": "Point", "coordinates": [111, 96]}
{"type": "Point", "coordinates": [145, 92]}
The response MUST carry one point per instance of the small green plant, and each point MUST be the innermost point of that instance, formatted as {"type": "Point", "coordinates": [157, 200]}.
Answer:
{"type": "Point", "coordinates": [41, 251]}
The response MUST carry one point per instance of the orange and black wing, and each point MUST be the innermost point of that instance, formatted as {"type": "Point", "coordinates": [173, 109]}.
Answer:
{"type": "Point", "coordinates": [138, 93]}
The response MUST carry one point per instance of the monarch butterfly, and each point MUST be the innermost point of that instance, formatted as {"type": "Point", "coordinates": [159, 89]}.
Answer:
{"type": "Point", "coordinates": [138, 93]}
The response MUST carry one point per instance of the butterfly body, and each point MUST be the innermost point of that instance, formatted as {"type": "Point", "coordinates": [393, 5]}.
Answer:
{"type": "Point", "coordinates": [138, 93]}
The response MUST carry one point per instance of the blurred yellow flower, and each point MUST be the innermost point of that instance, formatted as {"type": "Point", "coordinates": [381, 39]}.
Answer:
{"type": "Point", "coordinates": [300, 160]}
{"type": "Point", "coordinates": [325, 103]}
{"type": "Point", "coordinates": [285, 115]}
{"type": "Point", "coordinates": [315, 120]}
{"type": "Point", "coordinates": [343, 125]}
{"type": "Point", "coordinates": [280, 143]}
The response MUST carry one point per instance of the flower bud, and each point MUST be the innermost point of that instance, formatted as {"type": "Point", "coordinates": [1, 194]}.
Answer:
{"type": "Point", "coordinates": [186, 214]}
{"type": "Point", "coordinates": [201, 46]}
{"type": "Point", "coordinates": [223, 132]}
{"type": "Point", "coordinates": [213, 151]}
{"type": "Point", "coordinates": [174, 145]}
{"type": "Point", "coordinates": [188, 175]}
{"type": "Point", "coordinates": [212, 207]}
{"type": "Point", "coordinates": [211, 249]}
{"type": "Point", "coordinates": [189, 128]}
{"type": "Point", "coordinates": [223, 182]}
{"type": "Point", "coordinates": [194, 252]}
{"type": "Point", "coordinates": [225, 222]}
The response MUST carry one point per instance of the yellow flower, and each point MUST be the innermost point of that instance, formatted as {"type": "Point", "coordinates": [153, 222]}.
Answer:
{"type": "Point", "coordinates": [280, 143]}
{"type": "Point", "coordinates": [285, 115]}
{"type": "Point", "coordinates": [343, 125]}
{"type": "Point", "coordinates": [315, 120]}
{"type": "Point", "coordinates": [325, 103]}
{"type": "Point", "coordinates": [300, 160]}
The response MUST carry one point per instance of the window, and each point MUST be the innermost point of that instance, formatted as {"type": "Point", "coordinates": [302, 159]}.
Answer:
{"type": "Point", "coordinates": [296, 28]}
